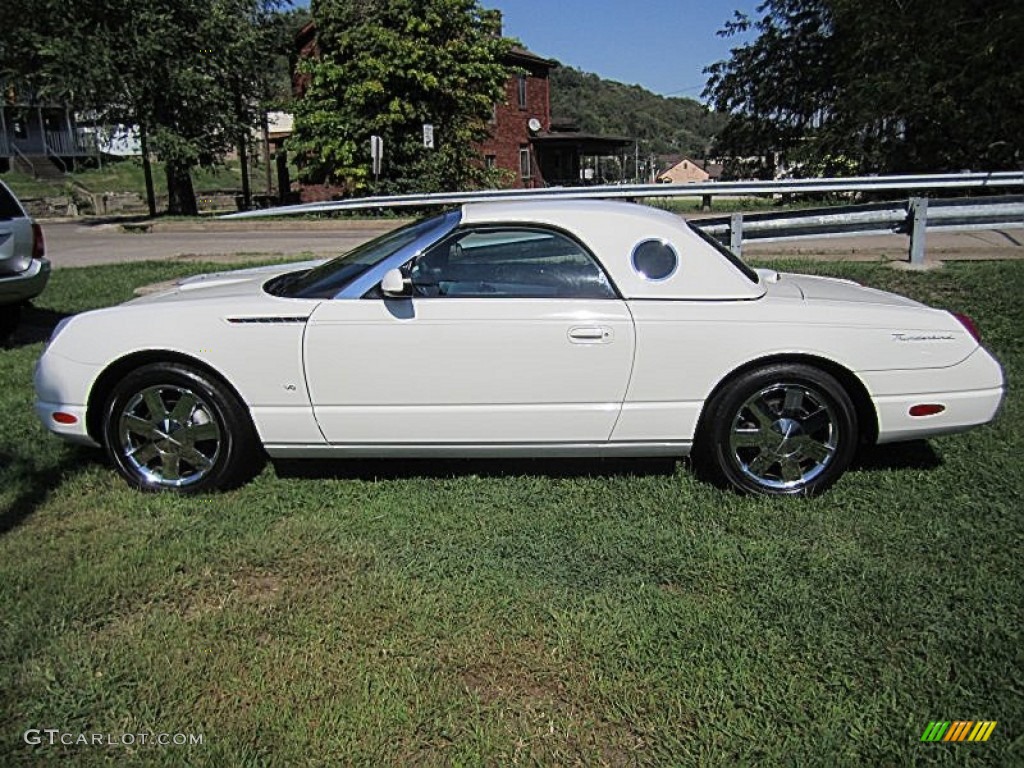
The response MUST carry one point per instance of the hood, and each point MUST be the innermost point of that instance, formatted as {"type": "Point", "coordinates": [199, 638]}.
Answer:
{"type": "Point", "coordinates": [831, 289]}
{"type": "Point", "coordinates": [223, 285]}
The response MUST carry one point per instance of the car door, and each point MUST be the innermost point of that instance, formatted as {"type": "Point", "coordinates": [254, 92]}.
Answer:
{"type": "Point", "coordinates": [509, 335]}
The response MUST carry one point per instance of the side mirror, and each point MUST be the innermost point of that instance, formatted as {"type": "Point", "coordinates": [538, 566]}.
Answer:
{"type": "Point", "coordinates": [394, 285]}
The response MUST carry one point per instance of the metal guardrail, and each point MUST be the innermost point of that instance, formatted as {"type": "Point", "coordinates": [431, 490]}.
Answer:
{"type": "Point", "coordinates": [913, 217]}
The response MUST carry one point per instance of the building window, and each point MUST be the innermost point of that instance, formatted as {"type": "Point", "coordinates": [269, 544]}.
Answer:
{"type": "Point", "coordinates": [490, 162]}
{"type": "Point", "coordinates": [522, 91]}
{"type": "Point", "coordinates": [525, 167]}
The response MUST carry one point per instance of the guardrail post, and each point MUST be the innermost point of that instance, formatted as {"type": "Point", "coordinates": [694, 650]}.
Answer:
{"type": "Point", "coordinates": [736, 234]}
{"type": "Point", "coordinates": [918, 228]}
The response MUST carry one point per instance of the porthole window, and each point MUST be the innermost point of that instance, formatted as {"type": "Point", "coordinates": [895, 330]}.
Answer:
{"type": "Point", "coordinates": [655, 260]}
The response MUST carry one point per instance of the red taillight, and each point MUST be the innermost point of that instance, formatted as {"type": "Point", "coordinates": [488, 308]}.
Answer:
{"type": "Point", "coordinates": [38, 244]}
{"type": "Point", "coordinates": [64, 418]}
{"type": "Point", "coordinates": [926, 409]}
{"type": "Point", "coordinates": [968, 325]}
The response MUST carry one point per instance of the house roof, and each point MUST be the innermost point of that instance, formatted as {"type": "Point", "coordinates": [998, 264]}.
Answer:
{"type": "Point", "coordinates": [585, 143]}
{"type": "Point", "coordinates": [529, 57]}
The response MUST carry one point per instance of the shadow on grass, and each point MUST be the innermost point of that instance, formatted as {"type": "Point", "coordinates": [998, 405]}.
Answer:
{"type": "Point", "coordinates": [392, 469]}
{"type": "Point", "coordinates": [911, 455]}
{"type": "Point", "coordinates": [35, 325]}
{"type": "Point", "coordinates": [37, 481]}
{"type": "Point", "coordinates": [916, 454]}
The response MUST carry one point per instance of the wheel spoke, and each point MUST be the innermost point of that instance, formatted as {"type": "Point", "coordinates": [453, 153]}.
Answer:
{"type": "Point", "coordinates": [747, 438]}
{"type": "Point", "coordinates": [819, 453]}
{"type": "Point", "coordinates": [155, 401]}
{"type": "Point", "coordinates": [817, 421]}
{"type": "Point", "coordinates": [184, 408]}
{"type": "Point", "coordinates": [764, 417]}
{"type": "Point", "coordinates": [140, 426]}
{"type": "Point", "coordinates": [170, 465]}
{"type": "Point", "coordinates": [198, 432]}
{"type": "Point", "coordinates": [155, 404]}
{"type": "Point", "coordinates": [791, 470]}
{"type": "Point", "coordinates": [761, 464]}
{"type": "Point", "coordinates": [194, 457]}
{"type": "Point", "coordinates": [143, 454]}
{"type": "Point", "coordinates": [794, 399]}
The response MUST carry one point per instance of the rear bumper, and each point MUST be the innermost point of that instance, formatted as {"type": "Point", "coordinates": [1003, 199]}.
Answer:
{"type": "Point", "coordinates": [971, 393]}
{"type": "Point", "coordinates": [26, 285]}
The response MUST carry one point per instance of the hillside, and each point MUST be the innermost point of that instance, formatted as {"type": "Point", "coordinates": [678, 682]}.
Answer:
{"type": "Point", "coordinates": [663, 125]}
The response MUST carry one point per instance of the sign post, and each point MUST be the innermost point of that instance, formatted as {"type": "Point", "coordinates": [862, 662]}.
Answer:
{"type": "Point", "coordinates": [428, 135]}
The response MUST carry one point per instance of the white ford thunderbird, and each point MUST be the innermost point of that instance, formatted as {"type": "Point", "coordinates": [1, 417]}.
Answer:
{"type": "Point", "coordinates": [515, 329]}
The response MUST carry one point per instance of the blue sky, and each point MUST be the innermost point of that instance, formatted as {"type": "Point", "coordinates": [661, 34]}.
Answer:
{"type": "Point", "coordinates": [663, 45]}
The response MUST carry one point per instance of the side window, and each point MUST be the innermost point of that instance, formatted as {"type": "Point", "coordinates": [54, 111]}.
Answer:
{"type": "Point", "coordinates": [508, 262]}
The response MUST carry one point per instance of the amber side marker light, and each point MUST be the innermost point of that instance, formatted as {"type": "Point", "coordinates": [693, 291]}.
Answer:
{"type": "Point", "coordinates": [968, 325]}
{"type": "Point", "coordinates": [926, 409]}
{"type": "Point", "coordinates": [65, 418]}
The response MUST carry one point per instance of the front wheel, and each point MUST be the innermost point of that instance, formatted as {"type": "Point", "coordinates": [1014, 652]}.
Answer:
{"type": "Point", "coordinates": [168, 427]}
{"type": "Point", "coordinates": [784, 429]}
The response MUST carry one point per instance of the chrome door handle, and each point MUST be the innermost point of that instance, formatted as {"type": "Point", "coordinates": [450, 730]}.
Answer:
{"type": "Point", "coordinates": [590, 334]}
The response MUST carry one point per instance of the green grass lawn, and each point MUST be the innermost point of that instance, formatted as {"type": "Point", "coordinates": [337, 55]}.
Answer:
{"type": "Point", "coordinates": [513, 613]}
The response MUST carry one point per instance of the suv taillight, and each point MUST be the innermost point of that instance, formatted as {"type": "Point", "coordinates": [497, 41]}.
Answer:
{"type": "Point", "coordinates": [38, 244]}
{"type": "Point", "coordinates": [968, 325]}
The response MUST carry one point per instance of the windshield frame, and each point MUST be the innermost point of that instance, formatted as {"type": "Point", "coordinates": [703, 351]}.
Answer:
{"type": "Point", "coordinates": [433, 229]}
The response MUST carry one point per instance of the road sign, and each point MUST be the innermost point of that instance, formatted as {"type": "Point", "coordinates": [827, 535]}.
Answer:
{"type": "Point", "coordinates": [428, 135]}
{"type": "Point", "coordinates": [376, 153]}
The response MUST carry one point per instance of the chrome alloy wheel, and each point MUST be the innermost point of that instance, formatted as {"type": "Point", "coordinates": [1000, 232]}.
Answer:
{"type": "Point", "coordinates": [784, 436]}
{"type": "Point", "coordinates": [169, 436]}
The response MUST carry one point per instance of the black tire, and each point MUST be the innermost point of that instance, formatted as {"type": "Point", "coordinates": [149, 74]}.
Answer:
{"type": "Point", "coordinates": [168, 427]}
{"type": "Point", "coordinates": [784, 429]}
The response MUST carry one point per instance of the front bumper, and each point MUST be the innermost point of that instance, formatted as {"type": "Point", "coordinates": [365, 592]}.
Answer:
{"type": "Point", "coordinates": [62, 386]}
{"type": "Point", "coordinates": [73, 433]}
{"type": "Point", "coordinates": [26, 285]}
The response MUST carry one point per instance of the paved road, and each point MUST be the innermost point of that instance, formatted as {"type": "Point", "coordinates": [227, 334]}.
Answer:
{"type": "Point", "coordinates": [74, 244]}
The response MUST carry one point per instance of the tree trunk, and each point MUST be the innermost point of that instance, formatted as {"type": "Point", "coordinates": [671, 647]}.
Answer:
{"type": "Point", "coordinates": [181, 198]}
{"type": "Point", "coordinates": [243, 159]}
{"type": "Point", "coordinates": [147, 170]}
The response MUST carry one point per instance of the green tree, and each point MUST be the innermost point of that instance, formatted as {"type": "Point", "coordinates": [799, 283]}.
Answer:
{"type": "Point", "coordinates": [875, 85]}
{"type": "Point", "coordinates": [386, 67]}
{"type": "Point", "coordinates": [189, 73]}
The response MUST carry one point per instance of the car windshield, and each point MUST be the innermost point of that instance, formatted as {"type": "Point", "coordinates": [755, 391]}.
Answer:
{"type": "Point", "coordinates": [326, 280]}
{"type": "Point", "coordinates": [749, 273]}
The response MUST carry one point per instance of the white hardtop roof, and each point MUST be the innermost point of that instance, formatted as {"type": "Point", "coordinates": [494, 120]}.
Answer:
{"type": "Point", "coordinates": [611, 231]}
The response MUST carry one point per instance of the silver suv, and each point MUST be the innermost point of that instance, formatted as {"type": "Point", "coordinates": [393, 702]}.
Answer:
{"type": "Point", "coordinates": [24, 268]}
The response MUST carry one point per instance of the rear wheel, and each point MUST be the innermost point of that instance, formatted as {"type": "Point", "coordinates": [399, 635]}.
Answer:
{"type": "Point", "coordinates": [783, 429]}
{"type": "Point", "coordinates": [169, 427]}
